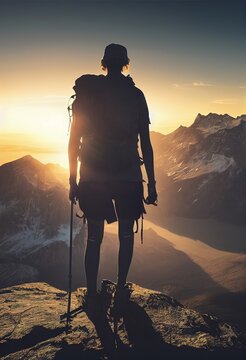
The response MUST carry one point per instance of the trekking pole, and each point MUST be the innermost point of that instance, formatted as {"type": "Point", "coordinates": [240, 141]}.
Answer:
{"type": "Point", "coordinates": [70, 269]}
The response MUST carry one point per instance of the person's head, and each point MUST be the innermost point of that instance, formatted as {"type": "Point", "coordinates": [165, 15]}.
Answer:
{"type": "Point", "coordinates": [115, 57]}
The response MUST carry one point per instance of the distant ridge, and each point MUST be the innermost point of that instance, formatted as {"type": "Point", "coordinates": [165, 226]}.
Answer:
{"type": "Point", "coordinates": [35, 171]}
{"type": "Point", "coordinates": [201, 169]}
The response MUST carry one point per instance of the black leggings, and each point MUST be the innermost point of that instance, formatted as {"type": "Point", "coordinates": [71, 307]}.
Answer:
{"type": "Point", "coordinates": [92, 254]}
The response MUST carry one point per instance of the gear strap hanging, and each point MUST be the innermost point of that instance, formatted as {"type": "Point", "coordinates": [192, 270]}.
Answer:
{"type": "Point", "coordinates": [136, 231]}
{"type": "Point", "coordinates": [70, 111]}
{"type": "Point", "coordinates": [142, 217]}
{"type": "Point", "coordinates": [82, 217]}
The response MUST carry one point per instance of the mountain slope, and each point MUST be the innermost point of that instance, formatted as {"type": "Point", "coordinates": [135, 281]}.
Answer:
{"type": "Point", "coordinates": [211, 280]}
{"type": "Point", "coordinates": [201, 169]}
{"type": "Point", "coordinates": [34, 217]}
{"type": "Point", "coordinates": [198, 176]}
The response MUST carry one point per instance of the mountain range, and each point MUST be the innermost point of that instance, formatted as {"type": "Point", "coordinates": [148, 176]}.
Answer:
{"type": "Point", "coordinates": [201, 169]}
{"type": "Point", "coordinates": [201, 174]}
{"type": "Point", "coordinates": [34, 221]}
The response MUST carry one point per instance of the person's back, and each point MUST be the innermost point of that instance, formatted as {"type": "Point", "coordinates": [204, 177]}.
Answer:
{"type": "Point", "coordinates": [110, 116]}
{"type": "Point", "coordinates": [114, 109]}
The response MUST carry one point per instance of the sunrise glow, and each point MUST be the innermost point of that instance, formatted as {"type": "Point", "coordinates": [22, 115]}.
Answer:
{"type": "Point", "coordinates": [182, 72]}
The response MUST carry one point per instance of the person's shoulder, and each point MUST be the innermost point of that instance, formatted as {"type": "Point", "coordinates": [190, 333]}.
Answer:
{"type": "Point", "coordinates": [138, 91]}
{"type": "Point", "coordinates": [140, 94]}
{"type": "Point", "coordinates": [143, 107]}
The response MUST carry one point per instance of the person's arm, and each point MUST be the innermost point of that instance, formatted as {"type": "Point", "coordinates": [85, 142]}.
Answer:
{"type": "Point", "coordinates": [147, 152]}
{"type": "Point", "coordinates": [73, 148]}
{"type": "Point", "coordinates": [146, 148]}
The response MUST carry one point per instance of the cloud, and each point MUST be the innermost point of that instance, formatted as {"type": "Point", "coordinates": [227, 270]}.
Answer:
{"type": "Point", "coordinates": [176, 86]}
{"type": "Point", "coordinates": [242, 87]}
{"type": "Point", "coordinates": [188, 85]}
{"type": "Point", "coordinates": [225, 101]}
{"type": "Point", "coordinates": [201, 84]}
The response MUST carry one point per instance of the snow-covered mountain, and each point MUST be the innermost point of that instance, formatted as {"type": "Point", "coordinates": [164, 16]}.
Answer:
{"type": "Point", "coordinates": [33, 202]}
{"type": "Point", "coordinates": [211, 123]}
{"type": "Point", "coordinates": [199, 174]}
{"type": "Point", "coordinates": [34, 218]}
{"type": "Point", "coordinates": [201, 169]}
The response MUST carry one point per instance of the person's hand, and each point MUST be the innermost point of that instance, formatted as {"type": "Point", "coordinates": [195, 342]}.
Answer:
{"type": "Point", "coordinates": [73, 191]}
{"type": "Point", "coordinates": [152, 194]}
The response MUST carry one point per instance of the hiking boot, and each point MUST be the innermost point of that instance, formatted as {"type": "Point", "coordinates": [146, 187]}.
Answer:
{"type": "Point", "coordinates": [92, 306]}
{"type": "Point", "coordinates": [120, 302]}
{"type": "Point", "coordinates": [107, 290]}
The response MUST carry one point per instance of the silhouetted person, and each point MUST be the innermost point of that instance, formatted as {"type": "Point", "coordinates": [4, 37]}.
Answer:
{"type": "Point", "coordinates": [109, 115]}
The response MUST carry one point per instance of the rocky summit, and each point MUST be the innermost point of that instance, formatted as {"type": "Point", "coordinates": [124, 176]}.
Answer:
{"type": "Point", "coordinates": [154, 326]}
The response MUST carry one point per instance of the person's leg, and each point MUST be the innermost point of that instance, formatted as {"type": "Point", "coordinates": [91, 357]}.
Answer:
{"type": "Point", "coordinates": [92, 254]}
{"type": "Point", "coordinates": [126, 238]}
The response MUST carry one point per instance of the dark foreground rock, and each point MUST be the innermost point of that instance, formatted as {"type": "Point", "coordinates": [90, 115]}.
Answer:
{"type": "Point", "coordinates": [155, 327]}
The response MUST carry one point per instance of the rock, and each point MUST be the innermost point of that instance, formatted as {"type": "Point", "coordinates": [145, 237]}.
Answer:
{"type": "Point", "coordinates": [155, 325]}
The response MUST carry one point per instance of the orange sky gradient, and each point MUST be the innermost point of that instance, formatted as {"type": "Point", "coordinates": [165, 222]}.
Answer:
{"type": "Point", "coordinates": [180, 63]}
{"type": "Point", "coordinates": [35, 119]}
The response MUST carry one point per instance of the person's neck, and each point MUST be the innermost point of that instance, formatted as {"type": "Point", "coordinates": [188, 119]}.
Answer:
{"type": "Point", "coordinates": [113, 73]}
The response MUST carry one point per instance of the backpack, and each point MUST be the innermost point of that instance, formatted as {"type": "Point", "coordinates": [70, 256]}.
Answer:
{"type": "Point", "coordinates": [107, 112]}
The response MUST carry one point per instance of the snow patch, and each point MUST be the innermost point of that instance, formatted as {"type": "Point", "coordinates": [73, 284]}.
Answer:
{"type": "Point", "coordinates": [31, 239]}
{"type": "Point", "coordinates": [63, 234]}
{"type": "Point", "coordinates": [217, 163]}
{"type": "Point", "coordinates": [211, 129]}
{"type": "Point", "coordinates": [8, 205]}
{"type": "Point", "coordinates": [203, 183]}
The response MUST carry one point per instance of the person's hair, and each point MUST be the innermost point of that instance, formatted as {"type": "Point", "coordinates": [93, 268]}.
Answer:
{"type": "Point", "coordinates": [118, 63]}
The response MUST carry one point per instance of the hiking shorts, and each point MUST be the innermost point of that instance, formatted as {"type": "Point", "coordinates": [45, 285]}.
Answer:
{"type": "Point", "coordinates": [111, 201]}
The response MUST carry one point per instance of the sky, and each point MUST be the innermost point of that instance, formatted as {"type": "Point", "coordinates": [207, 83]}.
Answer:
{"type": "Point", "coordinates": [188, 57]}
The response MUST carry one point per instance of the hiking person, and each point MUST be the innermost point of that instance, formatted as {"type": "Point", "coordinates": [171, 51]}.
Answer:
{"type": "Point", "coordinates": [109, 114]}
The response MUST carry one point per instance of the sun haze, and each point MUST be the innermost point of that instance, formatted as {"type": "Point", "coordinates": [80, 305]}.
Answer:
{"type": "Point", "coordinates": [186, 56]}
